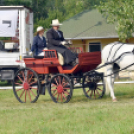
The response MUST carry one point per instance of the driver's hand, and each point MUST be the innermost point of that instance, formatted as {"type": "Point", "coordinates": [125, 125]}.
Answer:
{"type": "Point", "coordinates": [64, 43]}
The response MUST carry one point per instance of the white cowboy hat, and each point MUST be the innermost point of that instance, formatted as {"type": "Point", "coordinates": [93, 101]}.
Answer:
{"type": "Point", "coordinates": [56, 23]}
{"type": "Point", "coordinates": [40, 28]}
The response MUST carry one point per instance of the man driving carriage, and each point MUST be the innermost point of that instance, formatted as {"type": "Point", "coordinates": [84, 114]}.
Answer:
{"type": "Point", "coordinates": [57, 42]}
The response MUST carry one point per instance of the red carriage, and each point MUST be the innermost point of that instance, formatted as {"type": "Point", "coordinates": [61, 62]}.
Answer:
{"type": "Point", "coordinates": [45, 72]}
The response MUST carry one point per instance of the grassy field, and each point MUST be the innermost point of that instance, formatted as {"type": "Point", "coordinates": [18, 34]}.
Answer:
{"type": "Point", "coordinates": [79, 116]}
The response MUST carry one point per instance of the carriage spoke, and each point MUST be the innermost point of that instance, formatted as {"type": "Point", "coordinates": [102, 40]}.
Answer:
{"type": "Point", "coordinates": [20, 78]}
{"type": "Point", "coordinates": [61, 98]}
{"type": "Point", "coordinates": [19, 89]}
{"type": "Point", "coordinates": [54, 91]}
{"type": "Point", "coordinates": [59, 77]}
{"type": "Point", "coordinates": [25, 95]}
{"type": "Point", "coordinates": [27, 75]}
{"type": "Point", "coordinates": [56, 81]}
{"type": "Point", "coordinates": [53, 85]}
{"type": "Point", "coordinates": [66, 92]}
{"type": "Point", "coordinates": [99, 89]}
{"type": "Point", "coordinates": [66, 88]}
{"type": "Point", "coordinates": [58, 97]}
{"type": "Point", "coordinates": [97, 92]}
{"type": "Point", "coordinates": [32, 93]}
{"type": "Point", "coordinates": [29, 95]}
{"type": "Point", "coordinates": [30, 79]}
{"type": "Point", "coordinates": [55, 94]}
{"type": "Point", "coordinates": [64, 96]}
{"type": "Point", "coordinates": [65, 85]}
{"type": "Point", "coordinates": [33, 82]}
{"type": "Point", "coordinates": [23, 75]}
{"type": "Point", "coordinates": [91, 93]}
{"type": "Point", "coordinates": [88, 91]}
{"type": "Point", "coordinates": [34, 88]}
{"type": "Point", "coordinates": [18, 84]}
{"type": "Point", "coordinates": [63, 81]}
{"type": "Point", "coordinates": [94, 94]}
{"type": "Point", "coordinates": [22, 93]}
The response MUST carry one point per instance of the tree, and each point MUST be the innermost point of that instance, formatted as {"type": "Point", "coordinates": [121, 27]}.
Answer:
{"type": "Point", "coordinates": [15, 2]}
{"type": "Point", "coordinates": [47, 10]}
{"type": "Point", "coordinates": [120, 13]}
{"type": "Point", "coordinates": [39, 9]}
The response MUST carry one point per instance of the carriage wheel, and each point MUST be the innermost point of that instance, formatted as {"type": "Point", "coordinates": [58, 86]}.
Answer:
{"type": "Point", "coordinates": [26, 85]}
{"type": "Point", "coordinates": [60, 89]}
{"type": "Point", "coordinates": [93, 85]}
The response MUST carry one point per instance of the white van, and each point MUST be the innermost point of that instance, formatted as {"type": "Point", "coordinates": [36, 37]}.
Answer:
{"type": "Point", "coordinates": [15, 22]}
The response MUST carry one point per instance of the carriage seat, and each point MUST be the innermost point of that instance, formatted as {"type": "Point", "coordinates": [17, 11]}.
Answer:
{"type": "Point", "coordinates": [60, 57]}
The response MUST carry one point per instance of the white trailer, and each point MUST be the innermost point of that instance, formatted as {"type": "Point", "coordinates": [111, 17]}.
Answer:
{"type": "Point", "coordinates": [15, 22]}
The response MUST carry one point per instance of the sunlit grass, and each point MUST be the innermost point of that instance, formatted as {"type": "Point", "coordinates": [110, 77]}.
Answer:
{"type": "Point", "coordinates": [79, 116]}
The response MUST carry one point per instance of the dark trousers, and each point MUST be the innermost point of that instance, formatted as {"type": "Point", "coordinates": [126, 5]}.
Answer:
{"type": "Point", "coordinates": [66, 53]}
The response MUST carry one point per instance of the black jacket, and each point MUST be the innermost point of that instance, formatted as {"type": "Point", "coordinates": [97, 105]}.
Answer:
{"type": "Point", "coordinates": [53, 38]}
{"type": "Point", "coordinates": [38, 44]}
{"type": "Point", "coordinates": [54, 43]}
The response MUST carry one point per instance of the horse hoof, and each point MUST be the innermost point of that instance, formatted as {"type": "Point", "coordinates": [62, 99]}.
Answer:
{"type": "Point", "coordinates": [115, 100]}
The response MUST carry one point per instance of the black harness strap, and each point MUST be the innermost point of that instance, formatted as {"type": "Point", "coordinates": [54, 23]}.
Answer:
{"type": "Point", "coordinates": [111, 50]}
{"type": "Point", "coordinates": [117, 50]}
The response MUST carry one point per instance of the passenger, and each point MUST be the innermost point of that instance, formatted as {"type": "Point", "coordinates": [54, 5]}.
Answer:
{"type": "Point", "coordinates": [57, 42]}
{"type": "Point", "coordinates": [39, 43]}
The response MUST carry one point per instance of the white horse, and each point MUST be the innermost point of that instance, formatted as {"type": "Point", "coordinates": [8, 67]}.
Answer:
{"type": "Point", "coordinates": [112, 52]}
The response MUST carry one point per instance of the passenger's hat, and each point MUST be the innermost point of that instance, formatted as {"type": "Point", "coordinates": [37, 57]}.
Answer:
{"type": "Point", "coordinates": [40, 28]}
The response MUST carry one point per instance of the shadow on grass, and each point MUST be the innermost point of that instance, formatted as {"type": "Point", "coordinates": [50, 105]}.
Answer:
{"type": "Point", "coordinates": [83, 98]}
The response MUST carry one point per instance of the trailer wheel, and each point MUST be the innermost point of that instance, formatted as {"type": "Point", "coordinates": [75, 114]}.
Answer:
{"type": "Point", "coordinates": [60, 88]}
{"type": "Point", "coordinates": [26, 85]}
{"type": "Point", "coordinates": [93, 85]}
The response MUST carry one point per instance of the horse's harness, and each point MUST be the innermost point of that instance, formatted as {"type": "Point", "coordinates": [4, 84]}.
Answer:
{"type": "Point", "coordinates": [113, 61]}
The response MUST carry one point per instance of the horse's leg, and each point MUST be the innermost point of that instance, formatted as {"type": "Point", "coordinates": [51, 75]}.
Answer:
{"type": "Point", "coordinates": [106, 84]}
{"type": "Point", "coordinates": [110, 81]}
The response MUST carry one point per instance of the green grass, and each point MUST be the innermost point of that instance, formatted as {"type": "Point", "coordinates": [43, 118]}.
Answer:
{"type": "Point", "coordinates": [79, 116]}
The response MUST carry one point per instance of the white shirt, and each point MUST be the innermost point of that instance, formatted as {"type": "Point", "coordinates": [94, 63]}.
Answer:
{"type": "Point", "coordinates": [41, 37]}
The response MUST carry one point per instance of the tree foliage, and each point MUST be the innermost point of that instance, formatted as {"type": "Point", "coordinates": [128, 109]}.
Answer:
{"type": "Point", "coordinates": [47, 10]}
{"type": "Point", "coordinates": [121, 13]}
